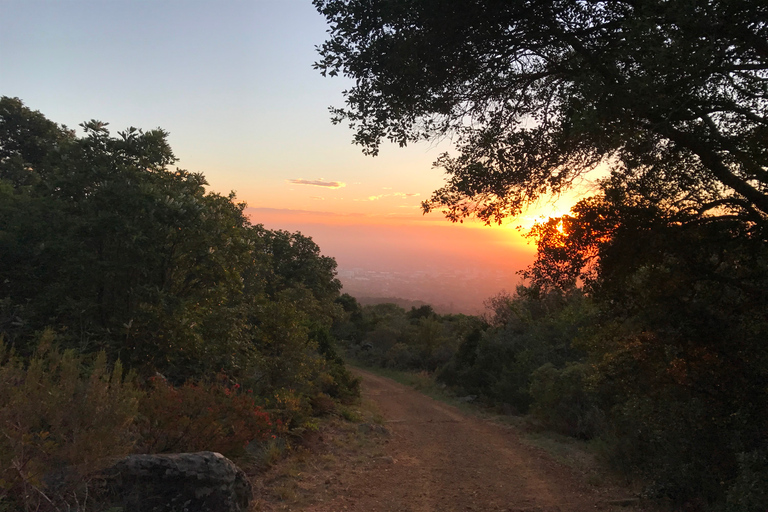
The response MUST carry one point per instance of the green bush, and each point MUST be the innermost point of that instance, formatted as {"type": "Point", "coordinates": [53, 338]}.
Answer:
{"type": "Point", "coordinates": [562, 403]}
{"type": "Point", "coordinates": [527, 330]}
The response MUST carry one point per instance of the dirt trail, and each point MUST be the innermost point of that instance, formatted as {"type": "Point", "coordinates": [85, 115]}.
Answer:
{"type": "Point", "coordinates": [438, 459]}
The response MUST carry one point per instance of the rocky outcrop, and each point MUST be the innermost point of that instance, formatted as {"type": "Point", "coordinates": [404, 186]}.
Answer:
{"type": "Point", "coordinates": [183, 482]}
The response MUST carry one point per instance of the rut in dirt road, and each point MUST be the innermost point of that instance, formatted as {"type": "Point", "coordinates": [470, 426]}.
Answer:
{"type": "Point", "coordinates": [439, 459]}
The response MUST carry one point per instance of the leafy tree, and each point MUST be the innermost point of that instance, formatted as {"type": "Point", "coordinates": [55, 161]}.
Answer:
{"type": "Point", "coordinates": [103, 242]}
{"type": "Point", "coordinates": [534, 93]}
{"type": "Point", "coordinates": [424, 311]}
{"type": "Point", "coordinates": [296, 261]}
{"type": "Point", "coordinates": [677, 346]}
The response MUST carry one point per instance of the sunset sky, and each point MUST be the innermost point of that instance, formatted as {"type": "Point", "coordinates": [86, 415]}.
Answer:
{"type": "Point", "coordinates": [232, 81]}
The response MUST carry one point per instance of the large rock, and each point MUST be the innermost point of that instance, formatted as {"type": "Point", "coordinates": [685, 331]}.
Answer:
{"type": "Point", "coordinates": [183, 482]}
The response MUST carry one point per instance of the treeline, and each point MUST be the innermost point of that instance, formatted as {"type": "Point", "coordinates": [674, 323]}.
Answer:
{"type": "Point", "coordinates": [389, 336]}
{"type": "Point", "coordinates": [642, 325]}
{"type": "Point", "coordinates": [139, 312]}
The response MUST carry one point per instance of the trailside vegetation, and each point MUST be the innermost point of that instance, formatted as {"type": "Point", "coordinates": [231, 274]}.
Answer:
{"type": "Point", "coordinates": [140, 312]}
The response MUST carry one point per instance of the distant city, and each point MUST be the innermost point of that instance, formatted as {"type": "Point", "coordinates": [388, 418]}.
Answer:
{"type": "Point", "coordinates": [447, 290]}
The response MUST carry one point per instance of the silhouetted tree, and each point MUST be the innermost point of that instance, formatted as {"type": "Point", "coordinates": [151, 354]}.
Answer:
{"type": "Point", "coordinates": [536, 92]}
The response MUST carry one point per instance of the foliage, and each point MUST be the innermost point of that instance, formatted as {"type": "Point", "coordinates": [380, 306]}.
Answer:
{"type": "Point", "coordinates": [215, 416]}
{"type": "Point", "coordinates": [296, 261]}
{"type": "Point", "coordinates": [388, 336]}
{"type": "Point", "coordinates": [677, 350]}
{"type": "Point", "coordinates": [104, 243]}
{"type": "Point", "coordinates": [137, 259]}
{"type": "Point", "coordinates": [61, 418]}
{"type": "Point", "coordinates": [529, 330]}
{"type": "Point", "coordinates": [563, 403]}
{"type": "Point", "coordinates": [536, 93]}
{"type": "Point", "coordinates": [126, 259]}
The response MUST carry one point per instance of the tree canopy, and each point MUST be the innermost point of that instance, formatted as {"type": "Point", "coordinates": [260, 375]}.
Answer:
{"type": "Point", "coordinates": [107, 246]}
{"type": "Point", "coordinates": [535, 93]}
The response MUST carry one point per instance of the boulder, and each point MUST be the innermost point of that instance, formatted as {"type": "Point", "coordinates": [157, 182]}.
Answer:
{"type": "Point", "coordinates": [182, 482]}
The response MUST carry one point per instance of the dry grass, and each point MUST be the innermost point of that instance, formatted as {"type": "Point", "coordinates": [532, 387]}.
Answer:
{"type": "Point", "coordinates": [309, 468]}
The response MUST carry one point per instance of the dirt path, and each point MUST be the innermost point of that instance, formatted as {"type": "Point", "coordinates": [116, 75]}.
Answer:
{"type": "Point", "coordinates": [438, 459]}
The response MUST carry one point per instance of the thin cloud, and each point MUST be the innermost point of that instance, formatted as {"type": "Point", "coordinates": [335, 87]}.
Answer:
{"type": "Point", "coordinates": [318, 183]}
{"type": "Point", "coordinates": [401, 195]}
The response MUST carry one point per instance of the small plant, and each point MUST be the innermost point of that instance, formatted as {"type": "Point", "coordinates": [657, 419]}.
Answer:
{"type": "Point", "coordinates": [322, 405]}
{"type": "Point", "coordinates": [292, 408]}
{"type": "Point", "coordinates": [350, 415]}
{"type": "Point", "coordinates": [267, 453]}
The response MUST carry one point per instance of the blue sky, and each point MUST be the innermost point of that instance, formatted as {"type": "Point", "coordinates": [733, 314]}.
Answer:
{"type": "Point", "coordinates": [231, 80]}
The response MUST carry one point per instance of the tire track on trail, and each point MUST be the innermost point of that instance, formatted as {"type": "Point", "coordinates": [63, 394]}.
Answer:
{"type": "Point", "coordinates": [439, 459]}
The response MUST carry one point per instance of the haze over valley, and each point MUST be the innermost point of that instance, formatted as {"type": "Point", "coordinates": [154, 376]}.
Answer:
{"type": "Point", "coordinates": [454, 267]}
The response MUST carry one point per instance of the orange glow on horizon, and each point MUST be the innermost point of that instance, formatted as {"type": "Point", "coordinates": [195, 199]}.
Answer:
{"type": "Point", "coordinates": [400, 240]}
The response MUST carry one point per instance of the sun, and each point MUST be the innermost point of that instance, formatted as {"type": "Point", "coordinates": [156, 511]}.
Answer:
{"type": "Point", "coordinates": [544, 210]}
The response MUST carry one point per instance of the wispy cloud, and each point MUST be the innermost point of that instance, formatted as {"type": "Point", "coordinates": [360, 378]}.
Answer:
{"type": "Point", "coordinates": [318, 183]}
{"type": "Point", "coordinates": [401, 195]}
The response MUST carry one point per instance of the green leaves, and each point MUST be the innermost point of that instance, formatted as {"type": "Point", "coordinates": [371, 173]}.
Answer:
{"type": "Point", "coordinates": [116, 251]}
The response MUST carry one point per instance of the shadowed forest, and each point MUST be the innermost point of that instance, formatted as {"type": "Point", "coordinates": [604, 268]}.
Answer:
{"type": "Point", "coordinates": [141, 313]}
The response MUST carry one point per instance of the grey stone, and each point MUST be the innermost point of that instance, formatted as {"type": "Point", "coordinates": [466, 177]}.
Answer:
{"type": "Point", "coordinates": [182, 482]}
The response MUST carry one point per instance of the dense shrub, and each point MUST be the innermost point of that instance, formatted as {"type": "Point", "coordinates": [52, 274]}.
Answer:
{"type": "Point", "coordinates": [676, 350]}
{"type": "Point", "coordinates": [193, 417]}
{"type": "Point", "coordinates": [563, 403]}
{"type": "Point", "coordinates": [527, 330]}
{"type": "Point", "coordinates": [387, 335]}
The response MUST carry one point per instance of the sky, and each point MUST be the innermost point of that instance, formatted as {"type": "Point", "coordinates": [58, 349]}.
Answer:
{"type": "Point", "coordinates": [232, 82]}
